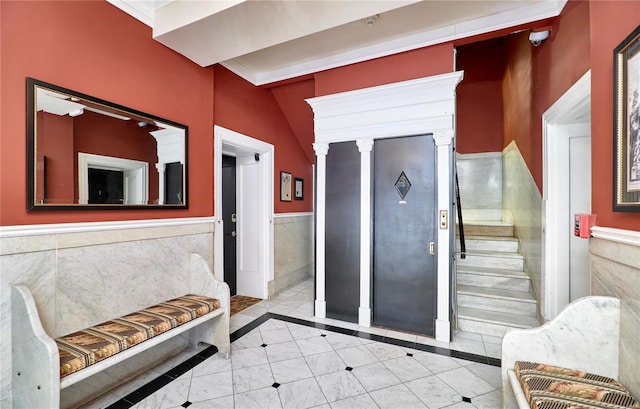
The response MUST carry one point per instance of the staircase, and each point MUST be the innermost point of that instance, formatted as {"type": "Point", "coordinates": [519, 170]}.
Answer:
{"type": "Point", "coordinates": [493, 290]}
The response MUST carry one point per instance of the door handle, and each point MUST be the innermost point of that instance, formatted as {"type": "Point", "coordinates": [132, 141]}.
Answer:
{"type": "Point", "coordinates": [234, 234]}
{"type": "Point", "coordinates": [432, 248]}
{"type": "Point", "coordinates": [233, 218]}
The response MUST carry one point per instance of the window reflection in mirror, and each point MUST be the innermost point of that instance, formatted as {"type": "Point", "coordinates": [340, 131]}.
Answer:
{"type": "Point", "coordinates": [88, 153]}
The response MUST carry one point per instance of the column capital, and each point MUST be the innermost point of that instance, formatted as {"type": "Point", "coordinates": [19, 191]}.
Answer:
{"type": "Point", "coordinates": [443, 137]}
{"type": "Point", "coordinates": [321, 148]}
{"type": "Point", "coordinates": [365, 145]}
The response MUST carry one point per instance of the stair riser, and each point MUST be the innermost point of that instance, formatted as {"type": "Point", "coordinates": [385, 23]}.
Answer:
{"type": "Point", "coordinates": [477, 327]}
{"type": "Point", "coordinates": [497, 304]}
{"type": "Point", "coordinates": [480, 230]}
{"type": "Point", "coordinates": [474, 260]}
{"type": "Point", "coordinates": [505, 246]}
{"type": "Point", "coordinates": [499, 282]}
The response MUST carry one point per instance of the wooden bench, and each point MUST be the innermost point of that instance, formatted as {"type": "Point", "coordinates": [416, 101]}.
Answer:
{"type": "Point", "coordinates": [36, 377]}
{"type": "Point", "coordinates": [584, 337]}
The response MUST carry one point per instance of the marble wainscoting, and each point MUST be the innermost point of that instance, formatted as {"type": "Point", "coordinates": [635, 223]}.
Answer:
{"type": "Point", "coordinates": [81, 274]}
{"type": "Point", "coordinates": [615, 272]}
{"type": "Point", "coordinates": [293, 250]}
{"type": "Point", "coordinates": [480, 181]}
{"type": "Point", "coordinates": [522, 206]}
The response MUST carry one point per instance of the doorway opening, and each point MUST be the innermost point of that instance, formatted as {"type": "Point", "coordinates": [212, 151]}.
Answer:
{"type": "Point", "coordinates": [253, 226]}
{"type": "Point", "coordinates": [567, 190]}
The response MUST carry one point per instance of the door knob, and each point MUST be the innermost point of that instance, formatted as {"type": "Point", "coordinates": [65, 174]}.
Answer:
{"type": "Point", "coordinates": [234, 234]}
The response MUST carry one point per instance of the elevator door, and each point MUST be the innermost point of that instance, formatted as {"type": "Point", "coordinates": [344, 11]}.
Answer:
{"type": "Point", "coordinates": [404, 274]}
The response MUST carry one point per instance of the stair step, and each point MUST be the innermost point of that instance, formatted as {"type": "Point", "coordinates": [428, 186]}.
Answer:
{"type": "Point", "coordinates": [488, 243]}
{"type": "Point", "coordinates": [494, 228]}
{"type": "Point", "coordinates": [493, 278]}
{"type": "Point", "coordinates": [493, 259]}
{"type": "Point", "coordinates": [492, 322]}
{"type": "Point", "coordinates": [492, 299]}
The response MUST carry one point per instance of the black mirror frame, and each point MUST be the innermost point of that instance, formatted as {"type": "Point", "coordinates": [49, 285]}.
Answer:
{"type": "Point", "coordinates": [31, 153]}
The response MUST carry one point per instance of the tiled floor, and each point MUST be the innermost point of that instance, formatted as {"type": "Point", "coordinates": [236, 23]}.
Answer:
{"type": "Point", "coordinates": [284, 358]}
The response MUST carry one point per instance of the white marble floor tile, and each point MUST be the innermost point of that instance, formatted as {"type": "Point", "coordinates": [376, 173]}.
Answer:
{"type": "Point", "coordinates": [275, 336]}
{"type": "Point", "coordinates": [490, 374]}
{"type": "Point", "coordinates": [491, 400]}
{"type": "Point", "coordinates": [493, 350]}
{"type": "Point", "coordinates": [302, 332]}
{"type": "Point", "coordinates": [301, 394]}
{"type": "Point", "coordinates": [283, 351]}
{"type": "Point", "coordinates": [266, 398]}
{"type": "Point", "coordinates": [339, 385]}
{"type": "Point", "coordinates": [397, 396]}
{"type": "Point", "coordinates": [272, 324]}
{"type": "Point", "coordinates": [323, 406]}
{"type": "Point", "coordinates": [174, 394]}
{"type": "Point", "coordinates": [210, 387]}
{"type": "Point", "coordinates": [401, 335]}
{"type": "Point", "coordinates": [212, 365]}
{"type": "Point", "coordinates": [465, 382]}
{"type": "Point", "coordinates": [434, 392]}
{"type": "Point", "coordinates": [224, 402]}
{"type": "Point", "coordinates": [460, 405]}
{"type": "Point", "coordinates": [384, 351]}
{"type": "Point", "coordinates": [468, 345]}
{"type": "Point", "coordinates": [407, 368]}
{"type": "Point", "coordinates": [255, 310]}
{"type": "Point", "coordinates": [252, 378]}
{"type": "Point", "coordinates": [375, 376]}
{"type": "Point", "coordinates": [324, 363]}
{"type": "Point", "coordinates": [316, 345]}
{"type": "Point", "coordinates": [436, 363]}
{"type": "Point", "coordinates": [290, 370]}
{"type": "Point", "coordinates": [248, 357]}
{"type": "Point", "coordinates": [341, 341]}
{"type": "Point", "coordinates": [250, 340]}
{"type": "Point", "coordinates": [363, 401]}
{"type": "Point", "coordinates": [357, 356]}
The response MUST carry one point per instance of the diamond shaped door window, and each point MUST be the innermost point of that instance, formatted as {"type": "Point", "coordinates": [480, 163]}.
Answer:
{"type": "Point", "coordinates": [402, 185]}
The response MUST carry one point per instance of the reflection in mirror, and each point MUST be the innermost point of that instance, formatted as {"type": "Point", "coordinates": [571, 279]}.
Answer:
{"type": "Point", "coordinates": [88, 153]}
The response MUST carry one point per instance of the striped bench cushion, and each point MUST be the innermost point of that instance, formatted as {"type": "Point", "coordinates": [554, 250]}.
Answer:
{"type": "Point", "coordinates": [91, 345]}
{"type": "Point", "coordinates": [551, 387]}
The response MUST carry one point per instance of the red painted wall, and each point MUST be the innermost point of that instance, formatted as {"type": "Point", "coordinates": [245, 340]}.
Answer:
{"type": "Point", "coordinates": [611, 22]}
{"type": "Point", "coordinates": [410, 65]}
{"type": "Point", "coordinates": [479, 97]}
{"type": "Point", "coordinates": [94, 48]}
{"type": "Point", "coordinates": [253, 111]}
{"type": "Point", "coordinates": [535, 77]}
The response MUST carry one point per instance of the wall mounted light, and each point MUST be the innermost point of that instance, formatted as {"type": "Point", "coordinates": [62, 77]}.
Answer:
{"type": "Point", "coordinates": [537, 37]}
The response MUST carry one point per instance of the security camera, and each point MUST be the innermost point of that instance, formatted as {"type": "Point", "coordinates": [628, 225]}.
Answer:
{"type": "Point", "coordinates": [537, 37]}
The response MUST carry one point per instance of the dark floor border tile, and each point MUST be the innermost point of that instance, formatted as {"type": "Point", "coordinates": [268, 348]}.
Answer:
{"type": "Point", "coordinates": [169, 376]}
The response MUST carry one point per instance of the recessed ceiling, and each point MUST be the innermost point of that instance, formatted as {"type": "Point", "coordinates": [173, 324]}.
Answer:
{"type": "Point", "coordinates": [269, 41]}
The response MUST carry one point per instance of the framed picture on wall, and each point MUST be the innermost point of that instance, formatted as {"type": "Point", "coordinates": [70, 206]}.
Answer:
{"type": "Point", "coordinates": [626, 122]}
{"type": "Point", "coordinates": [298, 188]}
{"type": "Point", "coordinates": [285, 186]}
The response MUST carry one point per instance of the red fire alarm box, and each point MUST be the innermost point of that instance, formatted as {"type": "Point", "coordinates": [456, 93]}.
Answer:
{"type": "Point", "coordinates": [582, 225]}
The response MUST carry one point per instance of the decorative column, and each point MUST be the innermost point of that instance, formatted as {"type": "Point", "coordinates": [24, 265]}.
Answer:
{"type": "Point", "coordinates": [160, 168]}
{"type": "Point", "coordinates": [443, 139]}
{"type": "Point", "coordinates": [364, 312]}
{"type": "Point", "coordinates": [321, 150]}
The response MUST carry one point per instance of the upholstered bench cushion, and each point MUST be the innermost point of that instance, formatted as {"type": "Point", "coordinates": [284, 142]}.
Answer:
{"type": "Point", "coordinates": [550, 387]}
{"type": "Point", "coordinates": [91, 345]}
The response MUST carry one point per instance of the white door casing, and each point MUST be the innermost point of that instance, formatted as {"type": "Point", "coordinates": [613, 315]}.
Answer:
{"type": "Point", "coordinates": [136, 176]}
{"type": "Point", "coordinates": [567, 118]}
{"type": "Point", "coordinates": [254, 210]}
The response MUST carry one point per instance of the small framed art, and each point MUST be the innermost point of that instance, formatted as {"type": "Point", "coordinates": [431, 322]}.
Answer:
{"type": "Point", "coordinates": [298, 188]}
{"type": "Point", "coordinates": [285, 186]}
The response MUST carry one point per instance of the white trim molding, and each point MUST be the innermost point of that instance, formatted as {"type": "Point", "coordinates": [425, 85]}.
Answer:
{"type": "Point", "coordinates": [630, 237]}
{"type": "Point", "coordinates": [298, 214]}
{"type": "Point", "coordinates": [415, 107]}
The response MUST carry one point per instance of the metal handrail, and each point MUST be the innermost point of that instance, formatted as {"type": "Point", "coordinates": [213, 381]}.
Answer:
{"type": "Point", "coordinates": [463, 247]}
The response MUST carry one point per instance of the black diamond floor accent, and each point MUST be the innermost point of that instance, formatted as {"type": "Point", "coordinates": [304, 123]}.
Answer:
{"type": "Point", "coordinates": [263, 345]}
{"type": "Point", "coordinates": [186, 404]}
{"type": "Point", "coordinates": [348, 368]}
{"type": "Point", "coordinates": [465, 399]}
{"type": "Point", "coordinates": [409, 354]}
{"type": "Point", "coordinates": [276, 385]}
{"type": "Point", "coordinates": [323, 335]}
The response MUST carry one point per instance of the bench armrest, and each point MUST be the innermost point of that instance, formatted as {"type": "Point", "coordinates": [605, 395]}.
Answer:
{"type": "Point", "coordinates": [584, 336]}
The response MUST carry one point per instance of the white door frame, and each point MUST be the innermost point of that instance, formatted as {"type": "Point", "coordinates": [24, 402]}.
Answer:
{"type": "Point", "coordinates": [136, 176]}
{"type": "Point", "coordinates": [568, 109]}
{"type": "Point", "coordinates": [225, 138]}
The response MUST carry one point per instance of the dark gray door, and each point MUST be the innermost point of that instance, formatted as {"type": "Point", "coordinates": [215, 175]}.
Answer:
{"type": "Point", "coordinates": [229, 220]}
{"type": "Point", "coordinates": [342, 247]}
{"type": "Point", "coordinates": [106, 186]}
{"type": "Point", "coordinates": [173, 183]}
{"type": "Point", "coordinates": [404, 271]}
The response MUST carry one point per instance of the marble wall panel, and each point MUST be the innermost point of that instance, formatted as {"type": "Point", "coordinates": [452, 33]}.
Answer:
{"type": "Point", "coordinates": [523, 207]}
{"type": "Point", "coordinates": [615, 271]}
{"type": "Point", "coordinates": [293, 251]}
{"type": "Point", "coordinates": [74, 273]}
{"type": "Point", "coordinates": [480, 180]}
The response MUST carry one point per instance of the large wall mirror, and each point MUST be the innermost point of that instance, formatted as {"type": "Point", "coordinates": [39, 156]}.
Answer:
{"type": "Point", "coordinates": [87, 153]}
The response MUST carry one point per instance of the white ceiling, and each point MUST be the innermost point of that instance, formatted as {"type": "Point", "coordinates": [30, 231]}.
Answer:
{"type": "Point", "coordinates": [265, 41]}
